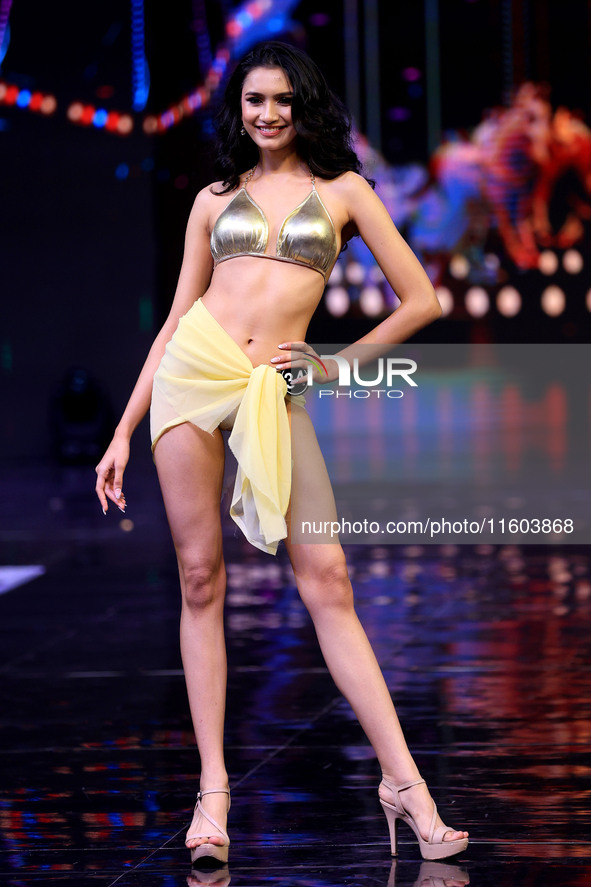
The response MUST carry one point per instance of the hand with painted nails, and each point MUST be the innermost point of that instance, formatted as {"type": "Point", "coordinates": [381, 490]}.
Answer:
{"type": "Point", "coordinates": [298, 358]}
{"type": "Point", "coordinates": [109, 474]}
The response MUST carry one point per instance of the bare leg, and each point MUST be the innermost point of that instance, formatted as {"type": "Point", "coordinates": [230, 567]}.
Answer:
{"type": "Point", "coordinates": [323, 583]}
{"type": "Point", "coordinates": [190, 465]}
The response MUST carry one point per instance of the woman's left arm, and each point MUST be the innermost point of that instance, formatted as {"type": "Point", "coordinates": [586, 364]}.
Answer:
{"type": "Point", "coordinates": [403, 271]}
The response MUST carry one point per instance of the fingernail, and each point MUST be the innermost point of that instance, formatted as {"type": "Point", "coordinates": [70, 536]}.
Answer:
{"type": "Point", "coordinates": [283, 345]}
{"type": "Point", "coordinates": [104, 512]}
{"type": "Point", "coordinates": [275, 359]}
{"type": "Point", "coordinates": [117, 494]}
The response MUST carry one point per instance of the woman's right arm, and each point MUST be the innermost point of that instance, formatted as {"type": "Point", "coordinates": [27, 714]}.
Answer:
{"type": "Point", "coordinates": [193, 281]}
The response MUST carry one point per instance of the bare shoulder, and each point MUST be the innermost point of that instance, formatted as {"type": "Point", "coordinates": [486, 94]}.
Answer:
{"type": "Point", "coordinates": [209, 196]}
{"type": "Point", "coordinates": [207, 205]}
{"type": "Point", "coordinates": [352, 193]}
{"type": "Point", "coordinates": [349, 185]}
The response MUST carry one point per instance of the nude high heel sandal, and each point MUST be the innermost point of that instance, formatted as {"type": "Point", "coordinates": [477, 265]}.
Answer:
{"type": "Point", "coordinates": [432, 848]}
{"type": "Point", "coordinates": [210, 851]}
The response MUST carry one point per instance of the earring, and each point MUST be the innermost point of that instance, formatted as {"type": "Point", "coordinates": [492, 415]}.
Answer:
{"type": "Point", "coordinates": [242, 132]}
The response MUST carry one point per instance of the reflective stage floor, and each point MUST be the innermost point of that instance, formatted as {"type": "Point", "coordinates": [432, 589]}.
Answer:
{"type": "Point", "coordinates": [485, 650]}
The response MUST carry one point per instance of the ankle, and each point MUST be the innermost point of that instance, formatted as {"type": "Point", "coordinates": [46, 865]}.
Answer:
{"type": "Point", "coordinates": [213, 780]}
{"type": "Point", "coordinates": [395, 777]}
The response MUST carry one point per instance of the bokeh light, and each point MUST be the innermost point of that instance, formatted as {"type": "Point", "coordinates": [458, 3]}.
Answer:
{"type": "Point", "coordinates": [477, 301]}
{"type": "Point", "coordinates": [459, 266]}
{"type": "Point", "coordinates": [24, 97]}
{"type": "Point", "coordinates": [125, 124]}
{"type": "Point", "coordinates": [548, 262]}
{"type": "Point", "coordinates": [48, 104]}
{"type": "Point", "coordinates": [100, 118]}
{"type": "Point", "coordinates": [508, 301]}
{"type": "Point", "coordinates": [572, 261]}
{"type": "Point", "coordinates": [553, 301]}
{"type": "Point", "coordinates": [74, 112]}
{"type": "Point", "coordinates": [371, 301]}
{"type": "Point", "coordinates": [355, 273]}
{"type": "Point", "coordinates": [337, 301]}
{"type": "Point", "coordinates": [150, 125]}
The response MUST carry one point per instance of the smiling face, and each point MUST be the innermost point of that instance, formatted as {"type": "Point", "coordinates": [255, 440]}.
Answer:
{"type": "Point", "coordinates": [266, 108]}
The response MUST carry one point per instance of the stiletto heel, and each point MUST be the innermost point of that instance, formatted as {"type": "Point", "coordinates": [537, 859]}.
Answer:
{"type": "Point", "coordinates": [392, 827]}
{"type": "Point", "coordinates": [217, 852]}
{"type": "Point", "coordinates": [432, 848]}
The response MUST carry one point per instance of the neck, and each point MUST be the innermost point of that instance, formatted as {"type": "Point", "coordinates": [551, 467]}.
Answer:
{"type": "Point", "coordinates": [280, 162]}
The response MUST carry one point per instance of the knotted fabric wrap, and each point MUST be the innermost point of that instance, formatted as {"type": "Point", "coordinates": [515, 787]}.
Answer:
{"type": "Point", "coordinates": [203, 378]}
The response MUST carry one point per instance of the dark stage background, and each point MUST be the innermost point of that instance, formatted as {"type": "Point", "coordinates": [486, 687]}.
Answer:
{"type": "Point", "coordinates": [473, 117]}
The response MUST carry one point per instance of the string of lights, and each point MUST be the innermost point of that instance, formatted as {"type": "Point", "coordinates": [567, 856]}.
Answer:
{"type": "Point", "coordinates": [202, 40]}
{"type": "Point", "coordinates": [140, 73]}
{"type": "Point", "coordinates": [250, 23]}
{"type": "Point", "coordinates": [254, 20]}
{"type": "Point", "coordinates": [38, 102]}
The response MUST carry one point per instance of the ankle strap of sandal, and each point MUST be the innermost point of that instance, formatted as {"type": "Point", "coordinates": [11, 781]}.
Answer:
{"type": "Point", "coordinates": [395, 789]}
{"type": "Point", "coordinates": [214, 791]}
{"type": "Point", "coordinates": [400, 788]}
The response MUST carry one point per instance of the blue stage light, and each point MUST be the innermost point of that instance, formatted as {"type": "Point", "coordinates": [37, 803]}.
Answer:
{"type": "Point", "coordinates": [140, 73]}
{"type": "Point", "coordinates": [100, 118]}
{"type": "Point", "coordinates": [24, 97]}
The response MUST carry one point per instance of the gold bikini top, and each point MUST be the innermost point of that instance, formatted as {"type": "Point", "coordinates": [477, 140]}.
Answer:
{"type": "Point", "coordinates": [306, 237]}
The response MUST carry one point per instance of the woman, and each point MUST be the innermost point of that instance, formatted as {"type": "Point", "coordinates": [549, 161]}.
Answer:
{"type": "Point", "coordinates": [233, 326]}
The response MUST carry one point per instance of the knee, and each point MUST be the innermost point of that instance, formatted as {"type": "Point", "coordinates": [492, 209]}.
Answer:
{"type": "Point", "coordinates": [326, 586]}
{"type": "Point", "coordinates": [203, 583]}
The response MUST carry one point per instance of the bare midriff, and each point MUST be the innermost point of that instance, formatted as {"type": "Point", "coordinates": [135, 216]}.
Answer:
{"type": "Point", "coordinates": [261, 303]}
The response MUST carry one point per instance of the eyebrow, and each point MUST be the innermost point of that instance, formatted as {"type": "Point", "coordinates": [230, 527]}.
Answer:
{"type": "Point", "coordinates": [277, 95]}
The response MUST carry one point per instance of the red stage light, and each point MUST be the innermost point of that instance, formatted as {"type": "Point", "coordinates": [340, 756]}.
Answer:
{"type": "Point", "coordinates": [87, 115]}
{"type": "Point", "coordinates": [112, 121]}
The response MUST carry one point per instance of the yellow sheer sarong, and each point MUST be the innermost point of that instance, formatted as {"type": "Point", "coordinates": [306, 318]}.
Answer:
{"type": "Point", "coordinates": [203, 378]}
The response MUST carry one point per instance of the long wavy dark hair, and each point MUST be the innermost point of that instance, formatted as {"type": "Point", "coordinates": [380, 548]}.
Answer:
{"type": "Point", "coordinates": [321, 121]}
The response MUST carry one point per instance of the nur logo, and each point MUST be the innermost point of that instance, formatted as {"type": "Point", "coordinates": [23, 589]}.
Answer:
{"type": "Point", "coordinates": [387, 369]}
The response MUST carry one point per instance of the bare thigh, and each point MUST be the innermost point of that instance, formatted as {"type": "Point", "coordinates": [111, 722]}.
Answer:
{"type": "Point", "coordinates": [190, 465]}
